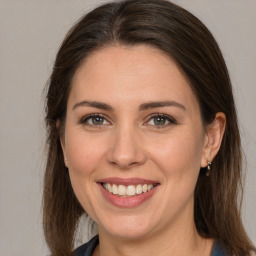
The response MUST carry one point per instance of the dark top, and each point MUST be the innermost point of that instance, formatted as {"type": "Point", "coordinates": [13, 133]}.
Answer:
{"type": "Point", "coordinates": [88, 248]}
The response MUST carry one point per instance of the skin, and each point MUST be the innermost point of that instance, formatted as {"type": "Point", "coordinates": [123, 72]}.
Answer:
{"type": "Point", "coordinates": [129, 143]}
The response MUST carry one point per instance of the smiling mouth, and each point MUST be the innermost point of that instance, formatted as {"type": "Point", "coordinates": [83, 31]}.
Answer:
{"type": "Point", "coordinates": [129, 190]}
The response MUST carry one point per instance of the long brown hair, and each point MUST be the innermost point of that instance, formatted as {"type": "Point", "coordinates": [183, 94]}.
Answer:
{"type": "Point", "coordinates": [182, 36]}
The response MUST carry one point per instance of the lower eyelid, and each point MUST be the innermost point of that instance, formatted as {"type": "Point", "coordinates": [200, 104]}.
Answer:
{"type": "Point", "coordinates": [168, 118]}
{"type": "Point", "coordinates": [84, 119]}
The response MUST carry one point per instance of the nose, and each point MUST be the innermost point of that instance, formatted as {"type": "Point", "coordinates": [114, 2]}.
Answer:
{"type": "Point", "coordinates": [126, 149]}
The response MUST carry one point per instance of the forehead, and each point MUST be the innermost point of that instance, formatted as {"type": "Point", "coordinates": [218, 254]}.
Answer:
{"type": "Point", "coordinates": [130, 74]}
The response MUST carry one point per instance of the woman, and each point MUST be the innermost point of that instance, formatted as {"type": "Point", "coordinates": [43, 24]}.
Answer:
{"type": "Point", "coordinates": [143, 137]}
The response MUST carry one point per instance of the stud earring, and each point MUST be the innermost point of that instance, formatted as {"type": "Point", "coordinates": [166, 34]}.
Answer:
{"type": "Point", "coordinates": [208, 169]}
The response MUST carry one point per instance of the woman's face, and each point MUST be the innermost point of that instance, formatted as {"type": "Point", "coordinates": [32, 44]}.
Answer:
{"type": "Point", "coordinates": [133, 125]}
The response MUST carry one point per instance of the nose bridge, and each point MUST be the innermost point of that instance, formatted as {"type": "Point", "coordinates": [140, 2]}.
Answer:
{"type": "Point", "coordinates": [126, 147]}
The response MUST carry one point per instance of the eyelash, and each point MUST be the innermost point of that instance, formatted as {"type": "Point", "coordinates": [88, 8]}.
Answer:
{"type": "Point", "coordinates": [168, 118]}
{"type": "Point", "coordinates": [171, 120]}
{"type": "Point", "coordinates": [84, 120]}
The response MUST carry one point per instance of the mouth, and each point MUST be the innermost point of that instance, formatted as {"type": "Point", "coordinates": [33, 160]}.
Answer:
{"type": "Point", "coordinates": [127, 193]}
{"type": "Point", "coordinates": [128, 190]}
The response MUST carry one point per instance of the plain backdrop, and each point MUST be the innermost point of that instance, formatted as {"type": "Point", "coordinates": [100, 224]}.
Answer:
{"type": "Point", "coordinates": [30, 34]}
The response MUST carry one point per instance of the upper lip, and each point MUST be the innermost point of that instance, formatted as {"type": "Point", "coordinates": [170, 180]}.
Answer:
{"type": "Point", "coordinates": [129, 181]}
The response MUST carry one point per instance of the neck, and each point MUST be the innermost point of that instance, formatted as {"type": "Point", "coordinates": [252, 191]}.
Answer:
{"type": "Point", "coordinates": [180, 241]}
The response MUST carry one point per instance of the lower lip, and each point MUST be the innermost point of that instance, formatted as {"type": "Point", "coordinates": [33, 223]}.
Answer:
{"type": "Point", "coordinates": [127, 202]}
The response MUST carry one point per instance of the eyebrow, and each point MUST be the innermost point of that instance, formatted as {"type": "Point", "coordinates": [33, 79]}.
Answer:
{"type": "Point", "coordinates": [144, 106]}
{"type": "Point", "coordinates": [94, 104]}
{"type": "Point", "coordinates": [157, 104]}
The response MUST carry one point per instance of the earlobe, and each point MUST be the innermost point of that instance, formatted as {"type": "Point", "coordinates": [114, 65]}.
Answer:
{"type": "Point", "coordinates": [58, 124]}
{"type": "Point", "coordinates": [62, 142]}
{"type": "Point", "coordinates": [213, 139]}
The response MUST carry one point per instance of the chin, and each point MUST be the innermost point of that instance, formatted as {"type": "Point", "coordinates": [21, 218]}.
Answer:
{"type": "Point", "coordinates": [128, 228]}
{"type": "Point", "coordinates": [128, 234]}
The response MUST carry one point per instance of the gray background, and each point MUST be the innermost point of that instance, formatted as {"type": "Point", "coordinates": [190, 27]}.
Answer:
{"type": "Point", "coordinates": [30, 34]}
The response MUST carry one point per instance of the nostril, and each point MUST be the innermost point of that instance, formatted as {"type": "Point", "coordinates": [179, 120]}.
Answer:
{"type": "Point", "coordinates": [126, 159]}
{"type": "Point", "coordinates": [125, 149]}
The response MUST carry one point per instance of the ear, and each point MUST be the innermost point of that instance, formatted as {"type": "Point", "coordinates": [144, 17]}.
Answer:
{"type": "Point", "coordinates": [213, 138]}
{"type": "Point", "coordinates": [62, 142]}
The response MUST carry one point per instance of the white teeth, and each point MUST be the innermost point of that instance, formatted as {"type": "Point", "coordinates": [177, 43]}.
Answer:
{"type": "Point", "coordinates": [145, 188]}
{"type": "Point", "coordinates": [150, 187]}
{"type": "Point", "coordinates": [121, 190]}
{"type": "Point", "coordinates": [138, 189]}
{"type": "Point", "coordinates": [114, 189]}
{"type": "Point", "coordinates": [129, 190]}
{"type": "Point", "coordinates": [109, 188]}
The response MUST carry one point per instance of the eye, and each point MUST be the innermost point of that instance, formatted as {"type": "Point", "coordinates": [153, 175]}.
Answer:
{"type": "Point", "coordinates": [94, 120]}
{"type": "Point", "coordinates": [161, 120]}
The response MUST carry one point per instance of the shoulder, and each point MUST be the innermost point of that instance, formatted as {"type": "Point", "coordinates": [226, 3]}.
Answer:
{"type": "Point", "coordinates": [218, 249]}
{"type": "Point", "coordinates": [87, 248]}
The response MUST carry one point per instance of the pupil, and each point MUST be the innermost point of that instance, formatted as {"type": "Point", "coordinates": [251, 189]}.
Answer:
{"type": "Point", "coordinates": [97, 120]}
{"type": "Point", "coordinates": [159, 120]}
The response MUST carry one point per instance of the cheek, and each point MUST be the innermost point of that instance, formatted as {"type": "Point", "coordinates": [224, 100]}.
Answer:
{"type": "Point", "coordinates": [84, 153]}
{"type": "Point", "coordinates": [178, 158]}
{"type": "Point", "coordinates": [178, 153]}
